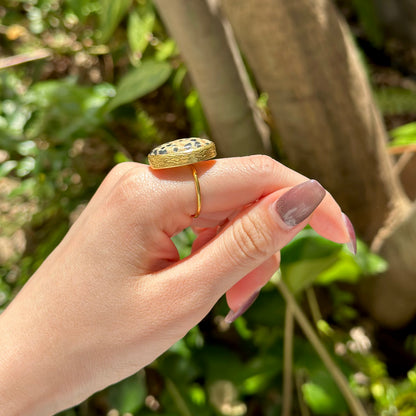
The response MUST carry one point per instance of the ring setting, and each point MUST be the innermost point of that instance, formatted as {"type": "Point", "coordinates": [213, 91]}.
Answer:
{"type": "Point", "coordinates": [183, 152]}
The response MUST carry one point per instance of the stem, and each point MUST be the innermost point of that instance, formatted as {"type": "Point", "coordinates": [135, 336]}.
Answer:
{"type": "Point", "coordinates": [403, 160]}
{"type": "Point", "coordinates": [313, 304]}
{"type": "Point", "coordinates": [354, 403]}
{"type": "Point", "coordinates": [304, 410]}
{"type": "Point", "coordinates": [177, 398]}
{"type": "Point", "coordinates": [288, 362]}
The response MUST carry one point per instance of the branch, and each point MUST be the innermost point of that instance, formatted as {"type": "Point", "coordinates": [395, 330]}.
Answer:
{"type": "Point", "coordinates": [303, 56]}
{"type": "Point", "coordinates": [354, 403]}
{"type": "Point", "coordinates": [217, 70]}
{"type": "Point", "coordinates": [177, 398]}
{"type": "Point", "coordinates": [390, 297]}
{"type": "Point", "coordinates": [288, 362]}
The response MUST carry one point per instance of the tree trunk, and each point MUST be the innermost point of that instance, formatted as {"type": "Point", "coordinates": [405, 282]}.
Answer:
{"type": "Point", "coordinates": [211, 55]}
{"type": "Point", "coordinates": [390, 297]}
{"type": "Point", "coordinates": [408, 176]}
{"type": "Point", "coordinates": [303, 56]}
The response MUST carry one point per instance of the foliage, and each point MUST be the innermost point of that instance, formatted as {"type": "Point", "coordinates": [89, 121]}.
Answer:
{"type": "Point", "coordinates": [111, 87]}
{"type": "Point", "coordinates": [404, 135]}
{"type": "Point", "coordinates": [395, 100]}
{"type": "Point", "coordinates": [139, 82]}
{"type": "Point", "coordinates": [368, 16]}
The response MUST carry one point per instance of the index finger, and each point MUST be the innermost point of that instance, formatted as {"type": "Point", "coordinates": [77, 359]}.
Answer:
{"type": "Point", "coordinates": [230, 183]}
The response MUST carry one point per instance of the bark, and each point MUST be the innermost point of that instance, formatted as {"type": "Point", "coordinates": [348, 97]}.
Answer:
{"type": "Point", "coordinates": [302, 55]}
{"type": "Point", "coordinates": [216, 68]}
{"type": "Point", "coordinates": [408, 176]}
{"type": "Point", "coordinates": [390, 297]}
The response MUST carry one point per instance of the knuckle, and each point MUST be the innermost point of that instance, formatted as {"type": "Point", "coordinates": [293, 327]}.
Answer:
{"type": "Point", "coordinates": [128, 187]}
{"type": "Point", "coordinates": [120, 169]}
{"type": "Point", "coordinates": [262, 164]}
{"type": "Point", "coordinates": [253, 240]}
{"type": "Point", "coordinates": [114, 176]}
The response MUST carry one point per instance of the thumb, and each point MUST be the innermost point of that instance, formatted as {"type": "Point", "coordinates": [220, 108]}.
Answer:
{"type": "Point", "coordinates": [247, 242]}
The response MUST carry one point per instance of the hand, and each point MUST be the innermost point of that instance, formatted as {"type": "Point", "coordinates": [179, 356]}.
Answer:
{"type": "Point", "coordinates": [114, 295]}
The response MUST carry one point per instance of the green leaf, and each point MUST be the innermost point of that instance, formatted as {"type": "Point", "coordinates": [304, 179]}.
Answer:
{"type": "Point", "coordinates": [4, 292]}
{"type": "Point", "coordinates": [345, 269]}
{"type": "Point", "coordinates": [308, 245]}
{"type": "Point", "coordinates": [139, 30]}
{"type": "Point", "coordinates": [305, 357]}
{"type": "Point", "coordinates": [392, 100]}
{"type": "Point", "coordinates": [369, 262]}
{"type": "Point", "coordinates": [370, 21]}
{"type": "Point", "coordinates": [183, 242]}
{"type": "Point", "coordinates": [220, 363]}
{"type": "Point", "coordinates": [6, 167]}
{"type": "Point", "coordinates": [196, 114]}
{"type": "Point", "coordinates": [306, 258]}
{"type": "Point", "coordinates": [260, 372]}
{"type": "Point", "coordinates": [242, 329]}
{"type": "Point", "coordinates": [66, 110]}
{"type": "Point", "coordinates": [322, 395]}
{"type": "Point", "coordinates": [26, 186]}
{"type": "Point", "coordinates": [269, 310]}
{"type": "Point", "coordinates": [403, 135]}
{"type": "Point", "coordinates": [149, 76]}
{"type": "Point", "coordinates": [128, 395]}
{"type": "Point", "coordinates": [120, 157]}
{"type": "Point", "coordinates": [165, 50]}
{"type": "Point", "coordinates": [82, 8]}
{"type": "Point", "coordinates": [112, 11]}
{"type": "Point", "coordinates": [197, 395]}
{"type": "Point", "coordinates": [181, 370]}
{"type": "Point", "coordinates": [27, 148]}
{"type": "Point", "coordinates": [25, 166]}
{"type": "Point", "coordinates": [302, 274]}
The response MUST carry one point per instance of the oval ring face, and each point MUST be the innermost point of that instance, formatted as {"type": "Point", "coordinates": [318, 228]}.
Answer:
{"type": "Point", "coordinates": [181, 152]}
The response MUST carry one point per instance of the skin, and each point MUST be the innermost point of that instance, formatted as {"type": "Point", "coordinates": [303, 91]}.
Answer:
{"type": "Point", "coordinates": [114, 295]}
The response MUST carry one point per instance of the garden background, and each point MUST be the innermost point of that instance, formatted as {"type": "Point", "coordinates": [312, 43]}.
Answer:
{"type": "Point", "coordinates": [327, 87]}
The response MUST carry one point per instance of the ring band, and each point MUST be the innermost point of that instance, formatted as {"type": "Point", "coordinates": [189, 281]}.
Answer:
{"type": "Point", "coordinates": [198, 192]}
{"type": "Point", "coordinates": [184, 152]}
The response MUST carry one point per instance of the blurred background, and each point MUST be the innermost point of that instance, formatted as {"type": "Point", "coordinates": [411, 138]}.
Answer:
{"type": "Point", "coordinates": [326, 87]}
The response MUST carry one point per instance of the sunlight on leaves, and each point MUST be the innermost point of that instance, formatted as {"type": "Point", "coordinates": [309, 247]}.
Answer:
{"type": "Point", "coordinates": [140, 81]}
{"type": "Point", "coordinates": [112, 11]}
{"type": "Point", "coordinates": [322, 395]}
{"type": "Point", "coordinates": [403, 135]}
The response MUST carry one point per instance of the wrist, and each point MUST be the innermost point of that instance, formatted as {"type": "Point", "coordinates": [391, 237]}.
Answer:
{"type": "Point", "coordinates": [24, 389]}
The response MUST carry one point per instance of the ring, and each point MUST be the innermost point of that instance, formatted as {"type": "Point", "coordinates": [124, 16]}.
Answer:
{"type": "Point", "coordinates": [183, 152]}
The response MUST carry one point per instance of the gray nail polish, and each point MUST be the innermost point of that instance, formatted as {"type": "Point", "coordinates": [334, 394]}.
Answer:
{"type": "Point", "coordinates": [352, 244]}
{"type": "Point", "coordinates": [232, 316]}
{"type": "Point", "coordinates": [298, 203]}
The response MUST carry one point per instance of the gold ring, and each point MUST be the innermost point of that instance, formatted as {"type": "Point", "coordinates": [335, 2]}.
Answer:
{"type": "Point", "coordinates": [183, 152]}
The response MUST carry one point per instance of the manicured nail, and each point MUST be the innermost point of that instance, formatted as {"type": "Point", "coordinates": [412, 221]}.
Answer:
{"type": "Point", "coordinates": [232, 316]}
{"type": "Point", "coordinates": [299, 202]}
{"type": "Point", "coordinates": [352, 244]}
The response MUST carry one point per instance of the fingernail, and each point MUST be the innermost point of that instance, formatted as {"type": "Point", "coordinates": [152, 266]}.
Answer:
{"type": "Point", "coordinates": [232, 316]}
{"type": "Point", "coordinates": [352, 244]}
{"type": "Point", "coordinates": [299, 202]}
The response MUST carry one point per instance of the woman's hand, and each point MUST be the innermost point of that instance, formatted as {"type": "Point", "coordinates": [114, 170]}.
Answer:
{"type": "Point", "coordinates": [114, 295]}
